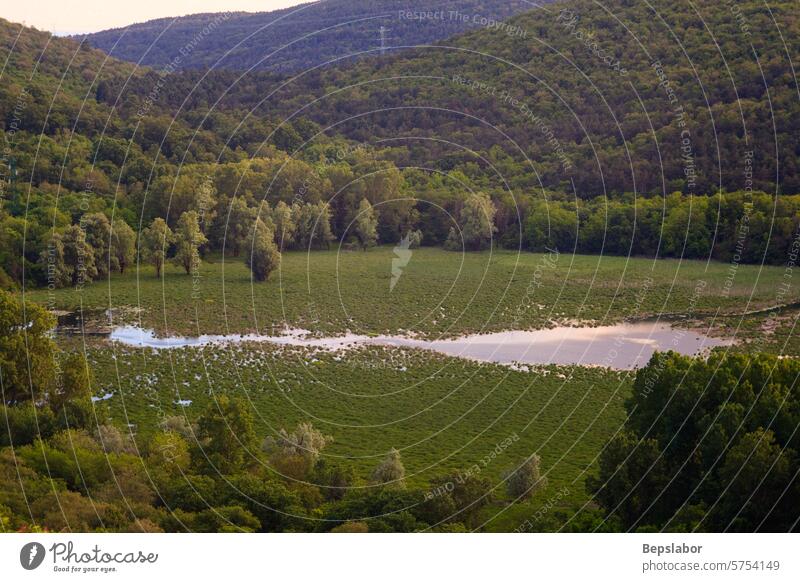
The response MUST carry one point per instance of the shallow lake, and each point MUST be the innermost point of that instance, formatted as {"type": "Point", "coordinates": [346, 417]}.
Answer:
{"type": "Point", "coordinates": [623, 346]}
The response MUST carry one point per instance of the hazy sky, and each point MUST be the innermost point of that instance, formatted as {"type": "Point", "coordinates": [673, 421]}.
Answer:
{"type": "Point", "coordinates": [75, 16]}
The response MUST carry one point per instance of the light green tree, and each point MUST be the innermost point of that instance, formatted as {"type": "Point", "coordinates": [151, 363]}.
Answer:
{"type": "Point", "coordinates": [154, 243]}
{"type": "Point", "coordinates": [262, 255]}
{"type": "Point", "coordinates": [366, 224]}
{"type": "Point", "coordinates": [312, 224]}
{"type": "Point", "coordinates": [390, 471]}
{"type": "Point", "coordinates": [477, 221]}
{"type": "Point", "coordinates": [304, 440]}
{"type": "Point", "coordinates": [284, 225]}
{"type": "Point", "coordinates": [97, 229]}
{"type": "Point", "coordinates": [454, 242]}
{"type": "Point", "coordinates": [26, 350]}
{"type": "Point", "coordinates": [238, 225]}
{"type": "Point", "coordinates": [123, 244]}
{"type": "Point", "coordinates": [188, 240]}
{"type": "Point", "coordinates": [524, 481]}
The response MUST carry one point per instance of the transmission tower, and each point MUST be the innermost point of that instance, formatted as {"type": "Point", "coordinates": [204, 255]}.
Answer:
{"type": "Point", "coordinates": [383, 31]}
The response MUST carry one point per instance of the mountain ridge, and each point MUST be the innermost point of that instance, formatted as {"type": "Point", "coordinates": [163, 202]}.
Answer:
{"type": "Point", "coordinates": [598, 86]}
{"type": "Point", "coordinates": [316, 32]}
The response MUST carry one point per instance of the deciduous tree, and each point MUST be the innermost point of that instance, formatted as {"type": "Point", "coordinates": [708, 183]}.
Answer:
{"type": "Point", "coordinates": [366, 224]}
{"type": "Point", "coordinates": [526, 480]}
{"type": "Point", "coordinates": [262, 256]}
{"type": "Point", "coordinates": [390, 471]}
{"type": "Point", "coordinates": [155, 242]}
{"type": "Point", "coordinates": [188, 240]}
{"type": "Point", "coordinates": [123, 244]}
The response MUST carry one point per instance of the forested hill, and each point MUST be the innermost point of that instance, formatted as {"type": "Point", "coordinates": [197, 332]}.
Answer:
{"type": "Point", "coordinates": [620, 97]}
{"type": "Point", "coordinates": [613, 96]}
{"type": "Point", "coordinates": [301, 36]}
{"type": "Point", "coordinates": [582, 99]}
{"type": "Point", "coordinates": [59, 123]}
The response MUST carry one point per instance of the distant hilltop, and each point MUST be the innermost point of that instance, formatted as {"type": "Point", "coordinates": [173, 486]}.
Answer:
{"type": "Point", "coordinates": [300, 37]}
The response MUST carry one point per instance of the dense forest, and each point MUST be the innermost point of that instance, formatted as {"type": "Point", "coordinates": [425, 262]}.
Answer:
{"type": "Point", "coordinates": [297, 38]}
{"type": "Point", "coordinates": [98, 144]}
{"type": "Point", "coordinates": [593, 100]}
{"type": "Point", "coordinates": [708, 446]}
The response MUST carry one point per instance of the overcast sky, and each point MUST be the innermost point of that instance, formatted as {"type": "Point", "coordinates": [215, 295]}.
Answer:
{"type": "Point", "coordinates": [76, 16]}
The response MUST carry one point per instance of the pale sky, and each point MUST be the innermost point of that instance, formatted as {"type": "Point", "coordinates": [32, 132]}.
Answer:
{"type": "Point", "coordinates": [77, 16]}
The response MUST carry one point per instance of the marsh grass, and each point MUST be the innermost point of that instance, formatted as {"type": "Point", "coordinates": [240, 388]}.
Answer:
{"type": "Point", "coordinates": [438, 292]}
{"type": "Point", "coordinates": [443, 414]}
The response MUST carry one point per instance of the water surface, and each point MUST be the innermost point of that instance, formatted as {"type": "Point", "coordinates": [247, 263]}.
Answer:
{"type": "Point", "coordinates": [623, 346]}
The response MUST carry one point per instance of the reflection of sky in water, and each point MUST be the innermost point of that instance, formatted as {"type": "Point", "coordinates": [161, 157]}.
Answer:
{"type": "Point", "coordinates": [623, 347]}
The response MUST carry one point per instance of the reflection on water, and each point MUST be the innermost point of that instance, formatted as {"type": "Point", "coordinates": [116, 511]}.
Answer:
{"type": "Point", "coordinates": [623, 347]}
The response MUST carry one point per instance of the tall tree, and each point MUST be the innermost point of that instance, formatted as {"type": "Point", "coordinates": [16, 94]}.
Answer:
{"type": "Point", "coordinates": [123, 244]}
{"type": "Point", "coordinates": [226, 435]}
{"type": "Point", "coordinates": [53, 264]}
{"type": "Point", "coordinates": [238, 223]}
{"type": "Point", "coordinates": [284, 225]}
{"type": "Point", "coordinates": [79, 256]}
{"type": "Point", "coordinates": [366, 224]}
{"type": "Point", "coordinates": [26, 350]}
{"type": "Point", "coordinates": [312, 225]}
{"type": "Point", "coordinates": [70, 397]}
{"type": "Point", "coordinates": [188, 240]}
{"type": "Point", "coordinates": [188, 192]}
{"type": "Point", "coordinates": [97, 228]}
{"type": "Point", "coordinates": [477, 221]}
{"type": "Point", "coordinates": [262, 255]}
{"type": "Point", "coordinates": [155, 241]}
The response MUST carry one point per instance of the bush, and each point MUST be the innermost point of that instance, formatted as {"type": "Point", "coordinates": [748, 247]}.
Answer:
{"type": "Point", "coordinates": [390, 471]}
{"type": "Point", "coordinates": [526, 480]}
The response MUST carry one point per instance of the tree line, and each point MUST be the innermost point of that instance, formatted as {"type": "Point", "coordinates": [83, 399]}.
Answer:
{"type": "Point", "coordinates": [738, 227]}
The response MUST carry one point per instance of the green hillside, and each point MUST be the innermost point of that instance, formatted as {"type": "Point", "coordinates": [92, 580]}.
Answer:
{"type": "Point", "coordinates": [296, 38]}
{"type": "Point", "coordinates": [611, 97]}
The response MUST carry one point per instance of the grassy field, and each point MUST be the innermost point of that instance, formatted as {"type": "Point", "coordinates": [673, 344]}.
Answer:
{"type": "Point", "coordinates": [437, 292]}
{"type": "Point", "coordinates": [443, 414]}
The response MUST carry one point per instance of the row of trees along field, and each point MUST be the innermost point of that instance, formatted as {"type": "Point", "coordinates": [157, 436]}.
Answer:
{"type": "Point", "coordinates": [86, 134]}
{"type": "Point", "coordinates": [45, 243]}
{"type": "Point", "coordinates": [65, 467]}
{"type": "Point", "coordinates": [97, 246]}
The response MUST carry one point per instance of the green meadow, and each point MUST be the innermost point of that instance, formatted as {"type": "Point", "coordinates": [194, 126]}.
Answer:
{"type": "Point", "coordinates": [436, 292]}
{"type": "Point", "coordinates": [442, 414]}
